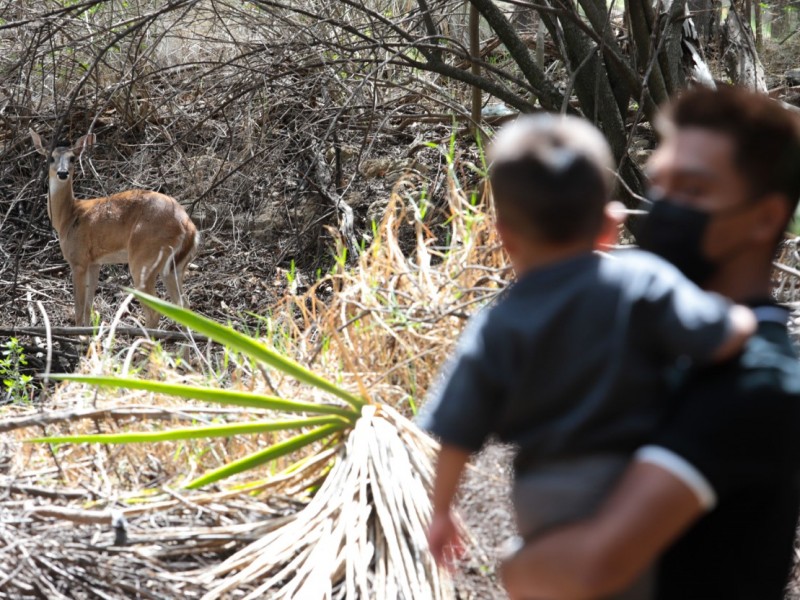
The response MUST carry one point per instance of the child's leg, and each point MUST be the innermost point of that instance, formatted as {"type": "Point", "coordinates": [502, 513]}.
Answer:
{"type": "Point", "coordinates": [565, 492]}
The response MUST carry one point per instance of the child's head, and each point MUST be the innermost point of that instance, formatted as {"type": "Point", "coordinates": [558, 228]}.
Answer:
{"type": "Point", "coordinates": [551, 179]}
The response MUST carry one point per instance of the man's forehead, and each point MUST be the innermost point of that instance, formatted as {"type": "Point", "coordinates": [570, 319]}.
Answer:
{"type": "Point", "coordinates": [675, 165]}
{"type": "Point", "coordinates": [693, 152]}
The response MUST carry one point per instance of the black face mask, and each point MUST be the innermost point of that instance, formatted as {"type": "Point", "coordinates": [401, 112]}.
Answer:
{"type": "Point", "coordinates": [675, 233]}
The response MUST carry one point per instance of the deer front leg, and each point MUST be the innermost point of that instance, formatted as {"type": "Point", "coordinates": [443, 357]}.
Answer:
{"type": "Point", "coordinates": [93, 274]}
{"type": "Point", "coordinates": [80, 285]}
{"type": "Point", "coordinates": [84, 281]}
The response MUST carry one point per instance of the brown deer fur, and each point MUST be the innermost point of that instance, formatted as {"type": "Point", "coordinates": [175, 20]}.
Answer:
{"type": "Point", "coordinates": [148, 231]}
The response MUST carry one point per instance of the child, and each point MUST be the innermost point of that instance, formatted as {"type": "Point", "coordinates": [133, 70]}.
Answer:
{"type": "Point", "coordinates": [569, 363]}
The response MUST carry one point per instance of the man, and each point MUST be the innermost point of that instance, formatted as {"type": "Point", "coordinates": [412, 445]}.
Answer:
{"type": "Point", "coordinates": [727, 456]}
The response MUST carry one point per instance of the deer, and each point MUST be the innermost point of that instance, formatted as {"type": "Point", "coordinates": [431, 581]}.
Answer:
{"type": "Point", "coordinates": [149, 231]}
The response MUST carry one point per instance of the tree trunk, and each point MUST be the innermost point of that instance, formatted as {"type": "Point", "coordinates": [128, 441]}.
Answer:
{"type": "Point", "coordinates": [702, 14]}
{"type": "Point", "coordinates": [548, 95]}
{"type": "Point", "coordinates": [475, 53]}
{"type": "Point", "coordinates": [599, 19]}
{"type": "Point", "coordinates": [642, 22]}
{"type": "Point", "coordinates": [541, 30]}
{"type": "Point", "coordinates": [757, 24]}
{"type": "Point", "coordinates": [741, 57]}
{"type": "Point", "coordinates": [670, 23]}
{"type": "Point", "coordinates": [591, 80]}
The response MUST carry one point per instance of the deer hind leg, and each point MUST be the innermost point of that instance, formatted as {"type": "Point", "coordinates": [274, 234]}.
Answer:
{"type": "Point", "coordinates": [173, 281]}
{"type": "Point", "coordinates": [144, 279]}
{"type": "Point", "coordinates": [84, 282]}
{"type": "Point", "coordinates": [172, 276]}
{"type": "Point", "coordinates": [175, 268]}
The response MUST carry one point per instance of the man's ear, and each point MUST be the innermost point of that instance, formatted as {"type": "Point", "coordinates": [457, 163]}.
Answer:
{"type": "Point", "coordinates": [773, 214]}
{"type": "Point", "coordinates": [613, 216]}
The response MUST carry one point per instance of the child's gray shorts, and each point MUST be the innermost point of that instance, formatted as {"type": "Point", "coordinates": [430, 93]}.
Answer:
{"type": "Point", "coordinates": [566, 491]}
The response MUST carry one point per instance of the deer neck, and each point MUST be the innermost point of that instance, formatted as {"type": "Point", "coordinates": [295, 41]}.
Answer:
{"type": "Point", "coordinates": [60, 203]}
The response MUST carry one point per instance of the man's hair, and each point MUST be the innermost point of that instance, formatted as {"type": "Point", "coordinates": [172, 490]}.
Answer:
{"type": "Point", "coordinates": [551, 177]}
{"type": "Point", "coordinates": [766, 136]}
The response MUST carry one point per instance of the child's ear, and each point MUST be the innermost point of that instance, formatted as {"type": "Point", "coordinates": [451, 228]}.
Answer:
{"type": "Point", "coordinates": [508, 236]}
{"type": "Point", "coordinates": [613, 216]}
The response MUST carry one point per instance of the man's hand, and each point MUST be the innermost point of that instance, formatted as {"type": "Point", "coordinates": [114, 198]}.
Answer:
{"type": "Point", "coordinates": [511, 576]}
{"type": "Point", "coordinates": [444, 540]}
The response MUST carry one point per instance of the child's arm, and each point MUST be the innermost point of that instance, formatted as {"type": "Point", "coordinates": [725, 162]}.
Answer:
{"type": "Point", "coordinates": [443, 538]}
{"type": "Point", "coordinates": [461, 411]}
{"type": "Point", "coordinates": [684, 320]}
{"type": "Point", "coordinates": [742, 325]}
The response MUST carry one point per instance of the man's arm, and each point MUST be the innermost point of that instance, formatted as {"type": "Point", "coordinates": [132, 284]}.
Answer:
{"type": "Point", "coordinates": [646, 512]}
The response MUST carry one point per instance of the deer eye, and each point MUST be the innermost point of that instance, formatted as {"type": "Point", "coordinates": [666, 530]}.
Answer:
{"type": "Point", "coordinates": [52, 159]}
{"type": "Point", "coordinates": [71, 159]}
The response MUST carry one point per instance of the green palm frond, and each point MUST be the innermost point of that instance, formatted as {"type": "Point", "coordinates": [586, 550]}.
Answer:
{"type": "Point", "coordinates": [240, 342]}
{"type": "Point", "coordinates": [268, 454]}
{"type": "Point", "coordinates": [327, 420]}
{"type": "Point", "coordinates": [191, 433]}
{"type": "Point", "coordinates": [210, 394]}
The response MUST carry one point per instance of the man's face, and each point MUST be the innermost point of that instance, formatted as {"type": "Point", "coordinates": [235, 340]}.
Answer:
{"type": "Point", "coordinates": [696, 168]}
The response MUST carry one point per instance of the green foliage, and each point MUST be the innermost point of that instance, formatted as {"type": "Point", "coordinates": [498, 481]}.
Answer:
{"type": "Point", "coordinates": [341, 258]}
{"type": "Point", "coordinates": [421, 207]}
{"type": "Point", "coordinates": [291, 275]}
{"type": "Point", "coordinates": [16, 384]}
{"type": "Point", "coordinates": [412, 405]}
{"type": "Point", "coordinates": [326, 421]}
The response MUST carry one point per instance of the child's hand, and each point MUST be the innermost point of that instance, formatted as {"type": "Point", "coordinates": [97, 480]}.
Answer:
{"type": "Point", "coordinates": [444, 540]}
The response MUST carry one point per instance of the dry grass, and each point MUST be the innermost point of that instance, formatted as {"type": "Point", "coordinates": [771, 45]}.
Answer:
{"type": "Point", "coordinates": [215, 103]}
{"type": "Point", "coordinates": [381, 329]}
{"type": "Point", "coordinates": [220, 107]}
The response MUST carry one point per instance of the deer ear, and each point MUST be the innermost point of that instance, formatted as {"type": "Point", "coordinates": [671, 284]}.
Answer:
{"type": "Point", "coordinates": [83, 143]}
{"type": "Point", "coordinates": [37, 142]}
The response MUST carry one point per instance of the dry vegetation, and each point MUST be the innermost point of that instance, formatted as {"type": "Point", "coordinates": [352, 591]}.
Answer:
{"type": "Point", "coordinates": [236, 110]}
{"type": "Point", "coordinates": [381, 328]}
{"type": "Point", "coordinates": [286, 153]}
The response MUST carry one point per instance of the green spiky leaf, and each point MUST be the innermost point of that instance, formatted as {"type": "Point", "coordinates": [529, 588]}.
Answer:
{"type": "Point", "coordinates": [208, 431]}
{"type": "Point", "coordinates": [242, 343]}
{"type": "Point", "coordinates": [264, 456]}
{"type": "Point", "coordinates": [232, 397]}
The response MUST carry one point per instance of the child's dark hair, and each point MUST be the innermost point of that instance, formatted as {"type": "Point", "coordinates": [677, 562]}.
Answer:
{"type": "Point", "coordinates": [765, 135]}
{"type": "Point", "coordinates": [551, 177]}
